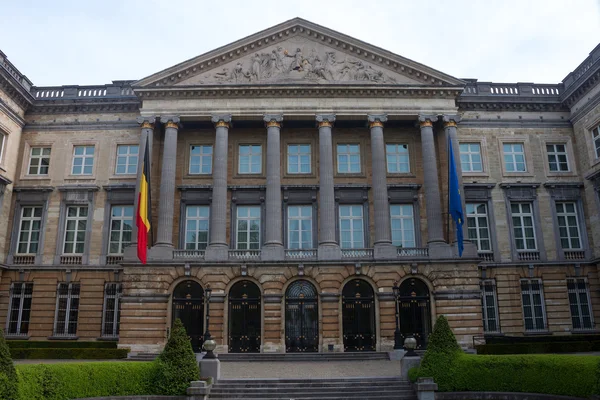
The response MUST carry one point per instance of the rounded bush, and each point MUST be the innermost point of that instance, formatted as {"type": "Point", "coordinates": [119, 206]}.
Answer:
{"type": "Point", "coordinates": [8, 374]}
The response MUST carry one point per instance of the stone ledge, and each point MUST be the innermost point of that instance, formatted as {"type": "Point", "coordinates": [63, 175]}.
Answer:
{"type": "Point", "coordinates": [500, 396]}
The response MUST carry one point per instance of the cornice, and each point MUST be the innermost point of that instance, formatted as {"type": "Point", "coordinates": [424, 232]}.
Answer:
{"type": "Point", "coordinates": [85, 106]}
{"type": "Point", "coordinates": [6, 110]}
{"type": "Point", "coordinates": [516, 123]}
{"type": "Point", "coordinates": [14, 90]}
{"type": "Point", "coordinates": [81, 126]}
{"type": "Point", "coordinates": [466, 103]}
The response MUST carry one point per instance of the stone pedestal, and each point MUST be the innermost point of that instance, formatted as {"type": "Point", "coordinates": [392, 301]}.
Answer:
{"type": "Point", "coordinates": [396, 355]}
{"type": "Point", "coordinates": [198, 390]}
{"type": "Point", "coordinates": [440, 250]}
{"type": "Point", "coordinates": [426, 388]}
{"type": "Point", "coordinates": [211, 367]}
{"type": "Point", "coordinates": [407, 363]}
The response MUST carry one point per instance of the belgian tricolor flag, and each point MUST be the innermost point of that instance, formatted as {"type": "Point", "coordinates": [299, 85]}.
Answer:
{"type": "Point", "coordinates": [143, 218]}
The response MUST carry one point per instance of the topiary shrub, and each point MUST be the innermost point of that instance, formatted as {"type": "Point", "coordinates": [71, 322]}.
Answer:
{"type": "Point", "coordinates": [8, 374]}
{"type": "Point", "coordinates": [413, 374]}
{"type": "Point", "coordinates": [176, 365]}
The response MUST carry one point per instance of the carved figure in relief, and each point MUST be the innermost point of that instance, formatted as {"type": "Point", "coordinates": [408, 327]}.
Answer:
{"type": "Point", "coordinates": [223, 75]}
{"type": "Point", "coordinates": [297, 63]}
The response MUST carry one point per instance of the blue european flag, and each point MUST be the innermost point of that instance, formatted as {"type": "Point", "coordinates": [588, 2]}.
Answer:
{"type": "Point", "coordinates": [455, 201]}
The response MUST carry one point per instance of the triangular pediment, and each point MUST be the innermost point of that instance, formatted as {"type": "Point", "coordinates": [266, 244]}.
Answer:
{"type": "Point", "coordinates": [298, 52]}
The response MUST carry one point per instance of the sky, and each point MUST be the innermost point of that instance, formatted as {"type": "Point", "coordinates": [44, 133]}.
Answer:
{"type": "Point", "coordinates": [85, 42]}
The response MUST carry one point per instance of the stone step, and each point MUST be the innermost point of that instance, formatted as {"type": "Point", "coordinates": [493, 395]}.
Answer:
{"type": "Point", "coordinates": [273, 357]}
{"type": "Point", "coordinates": [365, 379]}
{"type": "Point", "coordinates": [314, 384]}
{"type": "Point", "coordinates": [359, 396]}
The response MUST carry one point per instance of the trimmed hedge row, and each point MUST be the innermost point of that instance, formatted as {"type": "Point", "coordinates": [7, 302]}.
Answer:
{"type": "Point", "coordinates": [538, 348]}
{"type": "Point", "coordinates": [80, 380]}
{"type": "Point", "coordinates": [498, 339]}
{"type": "Point", "coordinates": [65, 353]}
{"type": "Point", "coordinates": [45, 344]}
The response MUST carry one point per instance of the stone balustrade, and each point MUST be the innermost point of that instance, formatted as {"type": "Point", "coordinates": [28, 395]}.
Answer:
{"type": "Point", "coordinates": [118, 89]}
{"type": "Point", "coordinates": [480, 89]}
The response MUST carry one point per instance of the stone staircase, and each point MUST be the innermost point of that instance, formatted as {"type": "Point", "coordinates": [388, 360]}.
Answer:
{"type": "Point", "coordinates": [141, 356]}
{"type": "Point", "coordinates": [271, 357]}
{"type": "Point", "coordinates": [367, 388]}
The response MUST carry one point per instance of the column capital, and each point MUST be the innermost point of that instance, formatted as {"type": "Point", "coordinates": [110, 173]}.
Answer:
{"type": "Point", "coordinates": [146, 122]}
{"type": "Point", "coordinates": [273, 120]}
{"type": "Point", "coordinates": [325, 120]}
{"type": "Point", "coordinates": [170, 121]}
{"type": "Point", "coordinates": [377, 120]}
{"type": "Point", "coordinates": [223, 120]}
{"type": "Point", "coordinates": [427, 120]}
{"type": "Point", "coordinates": [451, 120]}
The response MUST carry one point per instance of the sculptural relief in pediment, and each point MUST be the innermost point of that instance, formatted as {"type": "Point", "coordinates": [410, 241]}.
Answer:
{"type": "Point", "coordinates": [298, 60]}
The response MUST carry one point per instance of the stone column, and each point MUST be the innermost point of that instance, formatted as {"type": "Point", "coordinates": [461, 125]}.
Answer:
{"type": "Point", "coordinates": [273, 247]}
{"type": "Point", "coordinates": [166, 206]}
{"type": "Point", "coordinates": [438, 248]}
{"type": "Point", "coordinates": [218, 247]}
{"type": "Point", "coordinates": [383, 247]}
{"type": "Point", "coordinates": [329, 248]}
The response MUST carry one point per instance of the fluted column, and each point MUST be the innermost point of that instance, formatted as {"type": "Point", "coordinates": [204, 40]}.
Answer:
{"type": "Point", "coordinates": [273, 247]}
{"type": "Point", "coordinates": [166, 205]}
{"type": "Point", "coordinates": [218, 247]}
{"type": "Point", "coordinates": [329, 248]}
{"type": "Point", "coordinates": [383, 232]}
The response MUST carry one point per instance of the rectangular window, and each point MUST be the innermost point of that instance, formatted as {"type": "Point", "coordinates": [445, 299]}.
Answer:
{"type": "Point", "coordinates": [352, 232]}
{"type": "Point", "coordinates": [201, 159]}
{"type": "Point", "coordinates": [127, 159]}
{"type": "Point", "coordinates": [112, 309]}
{"type": "Point", "coordinates": [39, 161]}
{"type": "Point", "coordinates": [470, 157]}
{"type": "Point", "coordinates": [489, 304]}
{"type": "Point", "coordinates": [75, 227]}
{"type": "Point", "coordinates": [83, 160]}
{"type": "Point", "coordinates": [196, 227]}
{"type": "Point", "coordinates": [534, 314]}
{"type": "Point", "coordinates": [67, 309]}
{"type": "Point", "coordinates": [579, 302]}
{"type": "Point", "coordinates": [596, 140]}
{"type": "Point", "coordinates": [19, 309]}
{"type": "Point", "coordinates": [397, 158]}
{"type": "Point", "coordinates": [248, 228]}
{"type": "Point", "coordinates": [523, 229]}
{"type": "Point", "coordinates": [300, 227]}
{"type": "Point", "coordinates": [514, 157]}
{"type": "Point", "coordinates": [3, 140]}
{"type": "Point", "coordinates": [348, 158]}
{"type": "Point", "coordinates": [29, 230]}
{"type": "Point", "coordinates": [299, 159]}
{"type": "Point", "coordinates": [557, 157]}
{"type": "Point", "coordinates": [121, 224]}
{"type": "Point", "coordinates": [250, 161]}
{"type": "Point", "coordinates": [403, 225]}
{"type": "Point", "coordinates": [478, 230]}
{"type": "Point", "coordinates": [568, 225]}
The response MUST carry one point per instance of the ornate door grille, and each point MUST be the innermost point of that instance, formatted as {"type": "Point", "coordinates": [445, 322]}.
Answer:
{"type": "Point", "coordinates": [415, 311]}
{"type": "Point", "coordinates": [301, 317]}
{"type": "Point", "coordinates": [188, 305]}
{"type": "Point", "coordinates": [244, 318]}
{"type": "Point", "coordinates": [358, 316]}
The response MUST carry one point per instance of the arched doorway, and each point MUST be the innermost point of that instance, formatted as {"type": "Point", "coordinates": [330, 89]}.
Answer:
{"type": "Point", "coordinates": [188, 306]}
{"type": "Point", "coordinates": [244, 318]}
{"type": "Point", "coordinates": [358, 316]}
{"type": "Point", "coordinates": [301, 317]}
{"type": "Point", "coordinates": [415, 310]}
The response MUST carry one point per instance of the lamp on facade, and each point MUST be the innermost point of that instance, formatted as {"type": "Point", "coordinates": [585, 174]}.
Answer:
{"type": "Point", "coordinates": [397, 333]}
{"type": "Point", "coordinates": [209, 344]}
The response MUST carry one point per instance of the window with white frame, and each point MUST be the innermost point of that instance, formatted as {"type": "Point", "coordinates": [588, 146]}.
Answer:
{"type": "Point", "coordinates": [568, 225]}
{"type": "Point", "coordinates": [248, 228]}
{"type": "Point", "coordinates": [250, 159]}
{"type": "Point", "coordinates": [534, 313]}
{"type": "Point", "coordinates": [514, 157]}
{"type": "Point", "coordinates": [470, 157]}
{"type": "Point", "coordinates": [75, 228]}
{"type": "Point", "coordinates": [201, 159]}
{"type": "Point", "coordinates": [19, 308]}
{"type": "Point", "coordinates": [523, 229]}
{"type": "Point", "coordinates": [83, 160]}
{"type": "Point", "coordinates": [348, 158]}
{"type": "Point", "coordinates": [112, 309]}
{"type": "Point", "coordinates": [39, 160]}
{"type": "Point", "coordinates": [397, 158]}
{"type": "Point", "coordinates": [127, 159]}
{"type": "Point", "coordinates": [299, 159]}
{"type": "Point", "coordinates": [121, 225]}
{"type": "Point", "coordinates": [557, 157]}
{"type": "Point", "coordinates": [3, 140]}
{"type": "Point", "coordinates": [352, 231]}
{"type": "Point", "coordinates": [579, 302]}
{"type": "Point", "coordinates": [196, 227]}
{"type": "Point", "coordinates": [67, 309]}
{"type": "Point", "coordinates": [489, 304]}
{"type": "Point", "coordinates": [478, 230]}
{"type": "Point", "coordinates": [596, 140]}
{"type": "Point", "coordinates": [403, 225]}
{"type": "Point", "coordinates": [29, 230]}
{"type": "Point", "coordinates": [300, 229]}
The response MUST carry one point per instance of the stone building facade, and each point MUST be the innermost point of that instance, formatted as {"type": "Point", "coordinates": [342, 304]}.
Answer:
{"type": "Point", "coordinates": [299, 174]}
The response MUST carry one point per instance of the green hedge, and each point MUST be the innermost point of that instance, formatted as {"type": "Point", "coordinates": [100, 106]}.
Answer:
{"type": "Point", "coordinates": [76, 354]}
{"type": "Point", "coordinates": [52, 344]}
{"type": "Point", "coordinates": [79, 380]}
{"type": "Point", "coordinates": [538, 348]}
